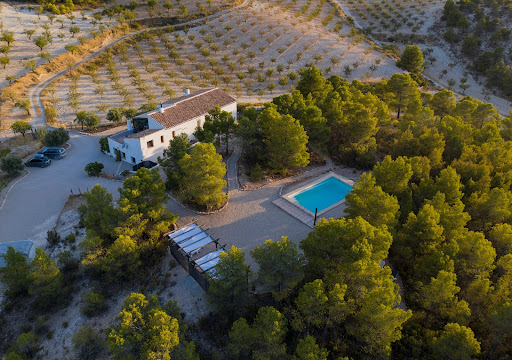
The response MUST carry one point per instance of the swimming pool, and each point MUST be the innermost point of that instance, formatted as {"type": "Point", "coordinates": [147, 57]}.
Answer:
{"type": "Point", "coordinates": [323, 194]}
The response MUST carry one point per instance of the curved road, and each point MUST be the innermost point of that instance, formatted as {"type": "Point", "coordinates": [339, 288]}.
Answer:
{"type": "Point", "coordinates": [34, 203]}
{"type": "Point", "coordinates": [39, 120]}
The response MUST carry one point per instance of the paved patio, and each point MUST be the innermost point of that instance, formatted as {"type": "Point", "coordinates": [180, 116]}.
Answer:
{"type": "Point", "coordinates": [251, 217]}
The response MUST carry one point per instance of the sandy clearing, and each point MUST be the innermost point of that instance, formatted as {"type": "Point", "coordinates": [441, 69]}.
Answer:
{"type": "Point", "coordinates": [18, 18]}
{"type": "Point", "coordinates": [241, 33]}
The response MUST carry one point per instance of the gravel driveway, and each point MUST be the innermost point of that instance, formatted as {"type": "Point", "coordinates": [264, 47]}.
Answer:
{"type": "Point", "coordinates": [33, 204]}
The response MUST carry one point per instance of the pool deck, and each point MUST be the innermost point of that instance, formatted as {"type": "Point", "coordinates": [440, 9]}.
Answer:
{"type": "Point", "coordinates": [251, 217]}
{"type": "Point", "coordinates": [295, 211]}
{"type": "Point", "coordinates": [290, 197]}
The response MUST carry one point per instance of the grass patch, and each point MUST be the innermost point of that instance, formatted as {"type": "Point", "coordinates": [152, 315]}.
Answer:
{"type": "Point", "coordinates": [6, 179]}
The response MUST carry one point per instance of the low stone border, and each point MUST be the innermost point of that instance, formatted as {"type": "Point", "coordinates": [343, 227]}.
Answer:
{"type": "Point", "coordinates": [195, 211]}
{"type": "Point", "coordinates": [327, 161]}
{"type": "Point", "coordinates": [9, 188]}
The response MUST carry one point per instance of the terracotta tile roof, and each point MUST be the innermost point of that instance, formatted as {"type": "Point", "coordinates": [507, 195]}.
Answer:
{"type": "Point", "coordinates": [188, 107]}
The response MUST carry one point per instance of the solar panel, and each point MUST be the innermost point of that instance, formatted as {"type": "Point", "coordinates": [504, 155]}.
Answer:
{"type": "Point", "coordinates": [193, 239]}
{"type": "Point", "coordinates": [187, 235]}
{"type": "Point", "coordinates": [208, 257]}
{"type": "Point", "coordinates": [197, 245]}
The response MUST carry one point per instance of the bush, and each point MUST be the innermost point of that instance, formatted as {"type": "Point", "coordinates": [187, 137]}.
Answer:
{"type": "Point", "coordinates": [71, 238]}
{"type": "Point", "coordinates": [25, 328]}
{"type": "Point", "coordinates": [40, 134]}
{"type": "Point", "coordinates": [26, 347]}
{"type": "Point", "coordinates": [88, 343]}
{"type": "Point", "coordinates": [40, 326]}
{"type": "Point", "coordinates": [104, 145]}
{"type": "Point", "coordinates": [53, 238]}
{"type": "Point", "coordinates": [4, 152]}
{"type": "Point", "coordinates": [94, 168]}
{"type": "Point", "coordinates": [256, 173]}
{"type": "Point", "coordinates": [50, 113]}
{"type": "Point", "coordinates": [57, 137]}
{"type": "Point", "coordinates": [12, 164]}
{"type": "Point", "coordinates": [67, 262]}
{"type": "Point", "coordinates": [93, 304]}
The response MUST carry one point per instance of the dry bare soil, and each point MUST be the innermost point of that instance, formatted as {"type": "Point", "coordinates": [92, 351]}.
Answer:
{"type": "Point", "coordinates": [252, 53]}
{"type": "Point", "coordinates": [26, 26]}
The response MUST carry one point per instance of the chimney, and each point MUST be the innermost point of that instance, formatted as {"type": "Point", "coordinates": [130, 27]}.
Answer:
{"type": "Point", "coordinates": [161, 108]}
{"type": "Point", "coordinates": [129, 126]}
{"type": "Point", "coordinates": [187, 92]}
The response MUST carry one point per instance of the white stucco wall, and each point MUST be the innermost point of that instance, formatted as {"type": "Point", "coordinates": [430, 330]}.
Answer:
{"type": "Point", "coordinates": [232, 109]}
{"type": "Point", "coordinates": [138, 148]}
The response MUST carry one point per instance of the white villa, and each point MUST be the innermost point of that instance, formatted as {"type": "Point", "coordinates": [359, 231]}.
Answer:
{"type": "Point", "coordinates": [148, 134]}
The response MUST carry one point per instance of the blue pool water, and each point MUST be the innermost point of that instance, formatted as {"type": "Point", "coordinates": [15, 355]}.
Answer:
{"type": "Point", "coordinates": [322, 195]}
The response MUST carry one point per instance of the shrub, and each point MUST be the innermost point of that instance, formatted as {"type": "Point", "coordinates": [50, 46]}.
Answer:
{"type": "Point", "coordinates": [40, 134]}
{"type": "Point", "coordinates": [50, 113]}
{"type": "Point", "coordinates": [57, 137]}
{"type": "Point", "coordinates": [67, 262]}
{"type": "Point", "coordinates": [115, 114]}
{"type": "Point", "coordinates": [104, 145]}
{"type": "Point", "coordinates": [26, 347]}
{"type": "Point", "coordinates": [256, 173]}
{"type": "Point", "coordinates": [94, 168]}
{"type": "Point", "coordinates": [88, 343]}
{"type": "Point", "coordinates": [25, 328]}
{"type": "Point", "coordinates": [71, 238]}
{"type": "Point", "coordinates": [4, 152]}
{"type": "Point", "coordinates": [12, 164]}
{"type": "Point", "coordinates": [53, 238]}
{"type": "Point", "coordinates": [93, 304]}
{"type": "Point", "coordinates": [40, 326]}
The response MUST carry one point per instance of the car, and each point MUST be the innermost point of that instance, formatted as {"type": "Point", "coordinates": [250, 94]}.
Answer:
{"type": "Point", "coordinates": [38, 160]}
{"type": "Point", "coordinates": [53, 152]}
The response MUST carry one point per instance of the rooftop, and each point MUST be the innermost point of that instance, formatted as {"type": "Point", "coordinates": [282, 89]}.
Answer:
{"type": "Point", "coordinates": [141, 134]}
{"type": "Point", "coordinates": [191, 106]}
{"type": "Point", "coordinates": [129, 134]}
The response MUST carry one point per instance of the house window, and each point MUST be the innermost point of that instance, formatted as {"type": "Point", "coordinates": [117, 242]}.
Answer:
{"type": "Point", "coordinates": [124, 155]}
{"type": "Point", "coordinates": [150, 144]}
{"type": "Point", "coordinates": [162, 139]}
{"type": "Point", "coordinates": [173, 134]}
{"type": "Point", "coordinates": [133, 160]}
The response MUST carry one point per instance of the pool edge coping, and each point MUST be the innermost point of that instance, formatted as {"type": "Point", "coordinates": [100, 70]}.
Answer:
{"type": "Point", "coordinates": [289, 197]}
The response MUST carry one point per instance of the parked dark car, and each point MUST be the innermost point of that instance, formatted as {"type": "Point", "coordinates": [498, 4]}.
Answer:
{"type": "Point", "coordinates": [38, 160]}
{"type": "Point", "coordinates": [53, 152]}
